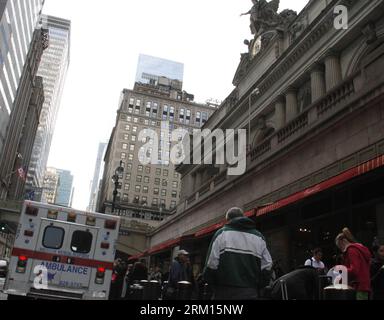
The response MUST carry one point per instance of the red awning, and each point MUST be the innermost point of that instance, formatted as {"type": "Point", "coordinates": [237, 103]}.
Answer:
{"type": "Point", "coordinates": [164, 246]}
{"type": "Point", "coordinates": [332, 182]}
{"type": "Point", "coordinates": [346, 176]}
{"type": "Point", "coordinates": [208, 230]}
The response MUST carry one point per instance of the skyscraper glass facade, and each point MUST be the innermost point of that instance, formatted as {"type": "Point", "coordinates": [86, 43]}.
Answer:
{"type": "Point", "coordinates": [18, 20]}
{"type": "Point", "coordinates": [150, 68]}
{"type": "Point", "coordinates": [53, 69]}
{"type": "Point", "coordinates": [65, 188]}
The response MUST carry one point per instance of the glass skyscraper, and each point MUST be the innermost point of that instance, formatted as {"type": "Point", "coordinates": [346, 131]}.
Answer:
{"type": "Point", "coordinates": [149, 69]}
{"type": "Point", "coordinates": [53, 69]}
{"type": "Point", "coordinates": [18, 20]}
{"type": "Point", "coordinates": [65, 188]}
{"type": "Point", "coordinates": [95, 186]}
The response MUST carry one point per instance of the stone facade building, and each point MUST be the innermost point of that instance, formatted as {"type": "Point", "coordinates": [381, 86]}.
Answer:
{"type": "Point", "coordinates": [149, 193]}
{"type": "Point", "coordinates": [312, 95]}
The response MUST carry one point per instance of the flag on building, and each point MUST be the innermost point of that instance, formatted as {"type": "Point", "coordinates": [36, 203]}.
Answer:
{"type": "Point", "coordinates": [22, 173]}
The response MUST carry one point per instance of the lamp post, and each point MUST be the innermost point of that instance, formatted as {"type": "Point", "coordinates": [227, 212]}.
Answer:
{"type": "Point", "coordinates": [118, 172]}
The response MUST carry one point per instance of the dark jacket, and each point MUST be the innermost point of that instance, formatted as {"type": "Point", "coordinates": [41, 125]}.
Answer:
{"type": "Point", "coordinates": [377, 278]}
{"type": "Point", "coordinates": [179, 272]}
{"type": "Point", "coordinates": [238, 257]}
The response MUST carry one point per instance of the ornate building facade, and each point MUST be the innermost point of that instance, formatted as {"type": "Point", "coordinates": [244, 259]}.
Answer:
{"type": "Point", "coordinates": [311, 96]}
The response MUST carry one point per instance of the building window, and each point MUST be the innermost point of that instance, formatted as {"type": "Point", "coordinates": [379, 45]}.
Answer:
{"type": "Point", "coordinates": [165, 183]}
{"type": "Point", "coordinates": [135, 120]}
{"type": "Point", "coordinates": [155, 110]}
{"type": "Point", "coordinates": [134, 129]}
{"type": "Point", "coordinates": [127, 186]}
{"type": "Point", "coordinates": [165, 173]}
{"type": "Point", "coordinates": [125, 197]}
{"type": "Point", "coordinates": [146, 122]}
{"type": "Point", "coordinates": [174, 194]}
{"type": "Point", "coordinates": [188, 117]}
{"type": "Point", "coordinates": [156, 191]}
{"type": "Point", "coordinates": [173, 204]}
{"type": "Point", "coordinates": [123, 156]}
{"type": "Point", "coordinates": [138, 189]}
{"type": "Point", "coordinates": [198, 118]}
{"type": "Point", "coordinates": [128, 176]}
{"type": "Point", "coordinates": [133, 138]}
{"type": "Point", "coordinates": [163, 203]}
{"type": "Point", "coordinates": [175, 184]}
{"type": "Point", "coordinates": [147, 170]}
{"type": "Point", "coordinates": [139, 179]}
{"type": "Point", "coordinates": [157, 181]}
{"type": "Point", "coordinates": [165, 112]}
{"type": "Point", "coordinates": [158, 172]}
{"type": "Point", "coordinates": [145, 189]}
{"type": "Point", "coordinates": [205, 118]}
{"type": "Point", "coordinates": [126, 136]}
{"type": "Point", "coordinates": [172, 114]}
{"type": "Point", "coordinates": [140, 168]}
{"type": "Point", "coordinates": [144, 200]}
{"type": "Point", "coordinates": [146, 179]}
{"type": "Point", "coordinates": [130, 157]}
{"type": "Point", "coordinates": [127, 127]}
{"type": "Point", "coordinates": [136, 200]}
{"type": "Point", "coordinates": [129, 167]}
{"type": "Point", "coordinates": [163, 192]}
{"type": "Point", "coordinates": [129, 119]}
{"type": "Point", "coordinates": [138, 103]}
{"type": "Point", "coordinates": [181, 116]}
{"type": "Point", "coordinates": [176, 175]}
{"type": "Point", "coordinates": [155, 202]}
{"type": "Point", "coordinates": [148, 109]}
{"type": "Point", "coordinates": [132, 147]}
{"type": "Point", "coordinates": [125, 146]}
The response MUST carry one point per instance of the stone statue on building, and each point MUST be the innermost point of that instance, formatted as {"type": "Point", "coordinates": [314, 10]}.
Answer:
{"type": "Point", "coordinates": [264, 16]}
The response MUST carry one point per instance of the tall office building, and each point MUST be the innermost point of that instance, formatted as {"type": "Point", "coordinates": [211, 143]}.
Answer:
{"type": "Point", "coordinates": [65, 188]}
{"type": "Point", "coordinates": [151, 69]}
{"type": "Point", "coordinates": [148, 192]}
{"type": "Point", "coordinates": [95, 184]}
{"type": "Point", "coordinates": [22, 124]}
{"type": "Point", "coordinates": [53, 70]}
{"type": "Point", "coordinates": [18, 20]}
{"type": "Point", "coordinates": [50, 186]}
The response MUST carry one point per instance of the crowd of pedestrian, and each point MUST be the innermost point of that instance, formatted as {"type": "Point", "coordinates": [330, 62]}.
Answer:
{"type": "Point", "coordinates": [239, 266]}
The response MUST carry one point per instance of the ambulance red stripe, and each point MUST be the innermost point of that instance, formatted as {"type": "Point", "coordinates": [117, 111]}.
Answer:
{"type": "Point", "coordinates": [63, 259]}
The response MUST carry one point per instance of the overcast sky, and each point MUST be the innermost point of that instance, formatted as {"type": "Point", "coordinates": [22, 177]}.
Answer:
{"type": "Point", "coordinates": [107, 38]}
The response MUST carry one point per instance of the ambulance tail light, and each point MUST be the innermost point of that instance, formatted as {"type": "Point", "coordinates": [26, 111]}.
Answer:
{"type": "Point", "coordinates": [31, 211]}
{"type": "Point", "coordinates": [28, 233]}
{"type": "Point", "coordinates": [100, 275]}
{"type": "Point", "coordinates": [105, 245]}
{"type": "Point", "coordinates": [22, 264]}
{"type": "Point", "coordinates": [110, 224]}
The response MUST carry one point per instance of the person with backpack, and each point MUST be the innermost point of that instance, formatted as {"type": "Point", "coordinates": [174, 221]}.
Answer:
{"type": "Point", "coordinates": [357, 260]}
{"type": "Point", "coordinates": [238, 263]}
{"type": "Point", "coordinates": [315, 262]}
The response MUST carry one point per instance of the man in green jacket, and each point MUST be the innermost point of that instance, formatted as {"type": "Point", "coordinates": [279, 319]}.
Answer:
{"type": "Point", "coordinates": [238, 263]}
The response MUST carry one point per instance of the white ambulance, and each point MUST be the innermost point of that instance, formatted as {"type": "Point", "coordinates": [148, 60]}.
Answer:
{"type": "Point", "coordinates": [61, 253]}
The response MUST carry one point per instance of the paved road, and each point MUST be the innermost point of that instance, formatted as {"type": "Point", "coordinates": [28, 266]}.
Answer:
{"type": "Point", "coordinates": [2, 295]}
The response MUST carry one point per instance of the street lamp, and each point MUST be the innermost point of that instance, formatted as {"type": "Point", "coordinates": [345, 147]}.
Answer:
{"type": "Point", "coordinates": [118, 172]}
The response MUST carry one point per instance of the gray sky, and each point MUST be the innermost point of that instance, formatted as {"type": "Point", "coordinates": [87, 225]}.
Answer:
{"type": "Point", "coordinates": [107, 38]}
